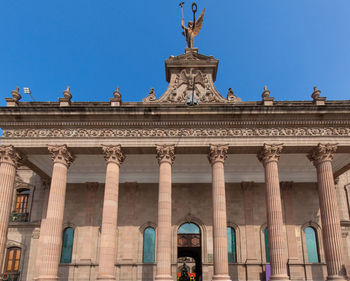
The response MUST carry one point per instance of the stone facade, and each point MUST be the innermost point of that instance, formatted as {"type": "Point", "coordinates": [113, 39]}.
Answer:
{"type": "Point", "coordinates": [110, 170]}
{"type": "Point", "coordinates": [143, 199]}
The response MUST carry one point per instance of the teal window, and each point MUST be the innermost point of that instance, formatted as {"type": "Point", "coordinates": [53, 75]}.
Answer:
{"type": "Point", "coordinates": [311, 245]}
{"type": "Point", "coordinates": [149, 239]}
{"type": "Point", "coordinates": [267, 252]}
{"type": "Point", "coordinates": [189, 228]}
{"type": "Point", "coordinates": [67, 245]}
{"type": "Point", "coordinates": [231, 245]}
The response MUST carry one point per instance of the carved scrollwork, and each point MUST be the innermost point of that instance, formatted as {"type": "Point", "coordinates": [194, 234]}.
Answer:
{"type": "Point", "coordinates": [270, 152]}
{"type": "Point", "coordinates": [113, 153]}
{"type": "Point", "coordinates": [227, 131]}
{"type": "Point", "coordinates": [61, 154]}
{"type": "Point", "coordinates": [9, 155]}
{"type": "Point", "coordinates": [322, 152]}
{"type": "Point", "coordinates": [166, 153]}
{"type": "Point", "coordinates": [217, 153]}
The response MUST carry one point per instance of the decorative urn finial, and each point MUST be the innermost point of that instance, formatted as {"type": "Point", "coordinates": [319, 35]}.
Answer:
{"type": "Point", "coordinates": [316, 93]}
{"type": "Point", "coordinates": [316, 96]}
{"type": "Point", "coordinates": [117, 98]}
{"type": "Point", "coordinates": [266, 99]}
{"type": "Point", "coordinates": [67, 94]}
{"type": "Point", "coordinates": [265, 93]}
{"type": "Point", "coordinates": [16, 96]}
{"type": "Point", "coordinates": [117, 95]}
{"type": "Point", "coordinates": [150, 97]}
{"type": "Point", "coordinates": [231, 97]}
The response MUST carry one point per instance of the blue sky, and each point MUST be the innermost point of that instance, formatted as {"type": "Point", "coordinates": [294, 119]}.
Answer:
{"type": "Point", "coordinates": [93, 46]}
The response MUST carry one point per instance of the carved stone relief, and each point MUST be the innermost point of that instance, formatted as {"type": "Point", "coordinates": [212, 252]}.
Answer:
{"type": "Point", "coordinates": [191, 81]}
{"type": "Point", "coordinates": [178, 132]}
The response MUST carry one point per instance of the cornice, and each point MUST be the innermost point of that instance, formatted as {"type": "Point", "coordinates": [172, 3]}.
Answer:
{"type": "Point", "coordinates": [241, 107]}
{"type": "Point", "coordinates": [177, 123]}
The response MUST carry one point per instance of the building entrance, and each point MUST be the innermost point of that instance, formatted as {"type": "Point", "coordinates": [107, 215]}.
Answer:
{"type": "Point", "coordinates": [189, 250]}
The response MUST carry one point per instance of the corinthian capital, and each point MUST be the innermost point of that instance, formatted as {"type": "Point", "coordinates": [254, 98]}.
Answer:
{"type": "Point", "coordinates": [217, 153]}
{"type": "Point", "coordinates": [9, 155]}
{"type": "Point", "coordinates": [322, 152]}
{"type": "Point", "coordinates": [61, 154]}
{"type": "Point", "coordinates": [166, 153]}
{"type": "Point", "coordinates": [270, 152]}
{"type": "Point", "coordinates": [113, 153]}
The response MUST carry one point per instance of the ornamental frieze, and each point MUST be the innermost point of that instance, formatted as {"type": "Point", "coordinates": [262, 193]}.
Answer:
{"type": "Point", "coordinates": [178, 132]}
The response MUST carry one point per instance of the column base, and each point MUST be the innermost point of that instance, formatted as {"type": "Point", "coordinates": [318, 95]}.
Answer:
{"type": "Point", "coordinates": [163, 278]}
{"type": "Point", "coordinates": [221, 278]}
{"type": "Point", "coordinates": [279, 278]}
{"type": "Point", "coordinates": [336, 278]}
{"type": "Point", "coordinates": [105, 278]}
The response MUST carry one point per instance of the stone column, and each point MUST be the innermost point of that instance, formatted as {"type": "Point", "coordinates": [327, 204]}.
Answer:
{"type": "Point", "coordinates": [322, 157]}
{"type": "Point", "coordinates": [9, 159]}
{"type": "Point", "coordinates": [166, 157]}
{"type": "Point", "coordinates": [217, 156]}
{"type": "Point", "coordinates": [114, 157]}
{"type": "Point", "coordinates": [269, 156]}
{"type": "Point", "coordinates": [51, 228]}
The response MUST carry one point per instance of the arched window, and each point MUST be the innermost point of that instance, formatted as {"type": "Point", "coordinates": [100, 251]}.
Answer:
{"type": "Point", "coordinates": [67, 245]}
{"type": "Point", "coordinates": [267, 252]}
{"type": "Point", "coordinates": [13, 258]}
{"type": "Point", "coordinates": [149, 238]}
{"type": "Point", "coordinates": [311, 245]}
{"type": "Point", "coordinates": [231, 245]}
{"type": "Point", "coordinates": [189, 228]}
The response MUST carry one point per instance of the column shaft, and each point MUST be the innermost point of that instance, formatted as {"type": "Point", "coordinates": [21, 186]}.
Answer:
{"type": "Point", "coordinates": [8, 163]}
{"type": "Point", "coordinates": [109, 223]}
{"type": "Point", "coordinates": [219, 222]}
{"type": "Point", "coordinates": [51, 229]}
{"type": "Point", "coordinates": [322, 155]}
{"type": "Point", "coordinates": [330, 219]}
{"type": "Point", "coordinates": [269, 156]}
{"type": "Point", "coordinates": [275, 223]}
{"type": "Point", "coordinates": [7, 179]}
{"type": "Point", "coordinates": [165, 158]}
{"type": "Point", "coordinates": [217, 156]}
{"type": "Point", "coordinates": [164, 222]}
{"type": "Point", "coordinates": [114, 158]}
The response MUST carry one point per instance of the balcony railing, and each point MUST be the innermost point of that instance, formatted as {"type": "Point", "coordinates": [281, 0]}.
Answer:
{"type": "Point", "coordinates": [19, 217]}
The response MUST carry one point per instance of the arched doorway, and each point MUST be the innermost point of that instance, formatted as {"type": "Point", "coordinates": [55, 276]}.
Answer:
{"type": "Point", "coordinates": [189, 249]}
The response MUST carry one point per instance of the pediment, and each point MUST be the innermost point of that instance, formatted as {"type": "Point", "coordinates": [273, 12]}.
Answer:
{"type": "Point", "coordinates": [191, 78]}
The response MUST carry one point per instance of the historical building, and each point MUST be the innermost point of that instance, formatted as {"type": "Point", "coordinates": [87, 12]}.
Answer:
{"type": "Point", "coordinates": [123, 191]}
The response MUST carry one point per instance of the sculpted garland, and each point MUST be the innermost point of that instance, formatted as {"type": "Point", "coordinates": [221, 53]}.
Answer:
{"type": "Point", "coordinates": [178, 132]}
